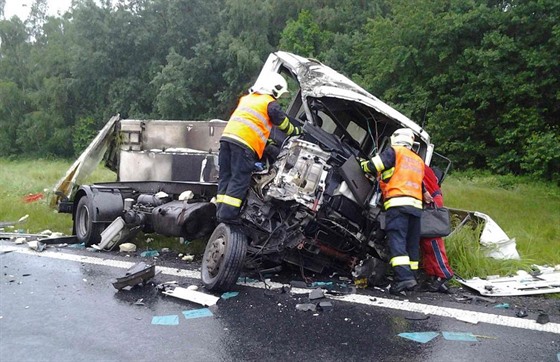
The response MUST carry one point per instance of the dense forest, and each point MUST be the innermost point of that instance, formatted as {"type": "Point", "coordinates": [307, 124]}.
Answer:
{"type": "Point", "coordinates": [482, 76]}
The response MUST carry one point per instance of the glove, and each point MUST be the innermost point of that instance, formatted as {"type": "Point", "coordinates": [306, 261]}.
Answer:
{"type": "Point", "coordinates": [364, 164]}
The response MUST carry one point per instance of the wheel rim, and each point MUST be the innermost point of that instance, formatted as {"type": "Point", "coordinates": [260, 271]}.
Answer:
{"type": "Point", "coordinates": [215, 255]}
{"type": "Point", "coordinates": [83, 221]}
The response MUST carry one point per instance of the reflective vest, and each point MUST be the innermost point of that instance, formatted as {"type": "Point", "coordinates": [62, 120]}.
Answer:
{"type": "Point", "coordinates": [402, 184]}
{"type": "Point", "coordinates": [250, 123]}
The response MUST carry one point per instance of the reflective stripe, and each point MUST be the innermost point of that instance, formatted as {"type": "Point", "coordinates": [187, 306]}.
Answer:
{"type": "Point", "coordinates": [239, 139]}
{"type": "Point", "coordinates": [403, 201]}
{"type": "Point", "coordinates": [400, 260]}
{"type": "Point", "coordinates": [414, 265]}
{"type": "Point", "coordinates": [251, 125]}
{"type": "Point", "coordinates": [379, 166]}
{"type": "Point", "coordinates": [256, 115]}
{"type": "Point", "coordinates": [365, 166]}
{"type": "Point", "coordinates": [228, 200]}
{"type": "Point", "coordinates": [287, 127]}
{"type": "Point", "coordinates": [388, 173]}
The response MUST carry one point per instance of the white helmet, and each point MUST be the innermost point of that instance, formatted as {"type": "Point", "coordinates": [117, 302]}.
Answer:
{"type": "Point", "coordinates": [403, 137]}
{"type": "Point", "coordinates": [270, 83]}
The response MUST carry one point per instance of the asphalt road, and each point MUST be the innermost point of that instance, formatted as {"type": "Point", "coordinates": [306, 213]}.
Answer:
{"type": "Point", "coordinates": [60, 305]}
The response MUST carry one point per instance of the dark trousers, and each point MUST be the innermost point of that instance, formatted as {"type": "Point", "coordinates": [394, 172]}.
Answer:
{"type": "Point", "coordinates": [236, 167]}
{"type": "Point", "coordinates": [403, 234]}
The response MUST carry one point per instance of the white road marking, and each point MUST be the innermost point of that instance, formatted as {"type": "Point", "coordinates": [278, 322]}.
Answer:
{"type": "Point", "coordinates": [459, 314]}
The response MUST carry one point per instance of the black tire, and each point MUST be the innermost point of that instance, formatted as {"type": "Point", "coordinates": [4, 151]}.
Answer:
{"type": "Point", "coordinates": [223, 258]}
{"type": "Point", "coordinates": [87, 231]}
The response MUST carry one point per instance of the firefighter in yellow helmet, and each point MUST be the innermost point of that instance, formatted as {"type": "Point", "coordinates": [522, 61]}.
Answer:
{"type": "Point", "coordinates": [401, 174]}
{"type": "Point", "coordinates": [244, 139]}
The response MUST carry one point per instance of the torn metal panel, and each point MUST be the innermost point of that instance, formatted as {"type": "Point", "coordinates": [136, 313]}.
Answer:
{"type": "Point", "coordinates": [136, 274]}
{"type": "Point", "coordinates": [548, 281]}
{"type": "Point", "coordinates": [494, 241]}
{"type": "Point", "coordinates": [85, 164]}
{"type": "Point", "coordinates": [192, 296]}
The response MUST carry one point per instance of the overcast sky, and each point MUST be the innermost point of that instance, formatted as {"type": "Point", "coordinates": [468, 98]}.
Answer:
{"type": "Point", "coordinates": [21, 8]}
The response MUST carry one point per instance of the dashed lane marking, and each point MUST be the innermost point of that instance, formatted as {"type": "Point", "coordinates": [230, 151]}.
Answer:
{"type": "Point", "coordinates": [460, 314]}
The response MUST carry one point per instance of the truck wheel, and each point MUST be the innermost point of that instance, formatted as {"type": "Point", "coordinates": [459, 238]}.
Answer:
{"type": "Point", "coordinates": [86, 231]}
{"type": "Point", "coordinates": [223, 258]}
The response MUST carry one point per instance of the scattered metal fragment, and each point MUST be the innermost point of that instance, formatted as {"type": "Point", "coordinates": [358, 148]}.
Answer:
{"type": "Point", "coordinates": [522, 313]}
{"type": "Point", "coordinates": [139, 302]}
{"type": "Point", "coordinates": [136, 274]}
{"type": "Point", "coordinates": [192, 296]}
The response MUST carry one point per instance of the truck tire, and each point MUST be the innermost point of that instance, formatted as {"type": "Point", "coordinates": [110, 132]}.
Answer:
{"type": "Point", "coordinates": [223, 258]}
{"type": "Point", "coordinates": [87, 231]}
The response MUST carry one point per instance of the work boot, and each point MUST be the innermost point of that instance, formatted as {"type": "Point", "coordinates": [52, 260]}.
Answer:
{"type": "Point", "coordinates": [439, 285]}
{"type": "Point", "coordinates": [404, 285]}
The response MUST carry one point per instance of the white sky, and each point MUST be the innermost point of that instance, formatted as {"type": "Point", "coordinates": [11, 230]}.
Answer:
{"type": "Point", "coordinates": [21, 8]}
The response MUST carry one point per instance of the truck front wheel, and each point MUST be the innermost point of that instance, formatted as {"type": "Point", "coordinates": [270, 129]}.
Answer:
{"type": "Point", "coordinates": [223, 258]}
{"type": "Point", "coordinates": [87, 231]}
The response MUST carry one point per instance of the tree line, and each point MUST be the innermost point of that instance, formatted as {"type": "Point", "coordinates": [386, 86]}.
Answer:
{"type": "Point", "coordinates": [480, 75]}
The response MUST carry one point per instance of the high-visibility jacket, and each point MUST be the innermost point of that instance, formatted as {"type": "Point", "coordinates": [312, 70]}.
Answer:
{"type": "Point", "coordinates": [250, 123]}
{"type": "Point", "coordinates": [401, 183]}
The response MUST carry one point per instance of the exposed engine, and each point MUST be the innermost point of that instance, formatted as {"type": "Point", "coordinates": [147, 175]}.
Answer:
{"type": "Point", "coordinates": [302, 211]}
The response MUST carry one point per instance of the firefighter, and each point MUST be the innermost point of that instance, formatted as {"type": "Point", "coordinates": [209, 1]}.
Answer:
{"type": "Point", "coordinates": [434, 257]}
{"type": "Point", "coordinates": [244, 139]}
{"type": "Point", "coordinates": [401, 172]}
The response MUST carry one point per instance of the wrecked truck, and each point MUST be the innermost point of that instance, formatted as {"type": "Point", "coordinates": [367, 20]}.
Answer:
{"type": "Point", "coordinates": [309, 204]}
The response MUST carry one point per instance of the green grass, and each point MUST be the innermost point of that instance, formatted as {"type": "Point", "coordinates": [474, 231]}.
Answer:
{"type": "Point", "coordinates": [526, 211]}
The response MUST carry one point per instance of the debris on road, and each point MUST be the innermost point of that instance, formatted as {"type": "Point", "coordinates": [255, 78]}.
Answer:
{"type": "Point", "coordinates": [166, 320]}
{"type": "Point", "coordinates": [228, 295]}
{"type": "Point", "coordinates": [197, 313]}
{"type": "Point", "coordinates": [149, 254]}
{"type": "Point", "coordinates": [36, 245]}
{"type": "Point", "coordinates": [127, 248]}
{"type": "Point", "coordinates": [305, 307]}
{"type": "Point", "coordinates": [543, 281]}
{"type": "Point", "coordinates": [316, 294]}
{"type": "Point", "coordinates": [421, 337]}
{"type": "Point", "coordinates": [192, 296]}
{"type": "Point", "coordinates": [139, 273]}
{"type": "Point", "coordinates": [459, 336]}
{"type": "Point", "coordinates": [543, 318]}
{"type": "Point", "coordinates": [21, 220]}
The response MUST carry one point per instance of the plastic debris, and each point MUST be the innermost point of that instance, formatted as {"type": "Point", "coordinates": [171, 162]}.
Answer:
{"type": "Point", "coordinates": [197, 313]}
{"type": "Point", "coordinates": [149, 253]}
{"type": "Point", "coordinates": [188, 258]}
{"type": "Point", "coordinates": [36, 245]}
{"type": "Point", "coordinates": [127, 248]}
{"type": "Point", "coordinates": [166, 320]}
{"type": "Point", "coordinates": [543, 318]}
{"type": "Point", "coordinates": [459, 336]}
{"type": "Point", "coordinates": [192, 296]}
{"type": "Point", "coordinates": [522, 313]}
{"type": "Point", "coordinates": [228, 295]}
{"type": "Point", "coordinates": [316, 294]}
{"type": "Point", "coordinates": [324, 306]}
{"type": "Point", "coordinates": [421, 337]}
{"type": "Point", "coordinates": [502, 306]}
